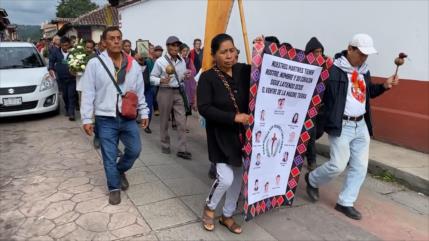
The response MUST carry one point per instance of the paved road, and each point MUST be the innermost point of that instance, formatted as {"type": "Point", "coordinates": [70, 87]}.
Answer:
{"type": "Point", "coordinates": [52, 187]}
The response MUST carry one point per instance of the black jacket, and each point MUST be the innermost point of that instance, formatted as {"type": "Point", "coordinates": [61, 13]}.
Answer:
{"type": "Point", "coordinates": [215, 105]}
{"type": "Point", "coordinates": [59, 65]}
{"type": "Point", "coordinates": [335, 99]}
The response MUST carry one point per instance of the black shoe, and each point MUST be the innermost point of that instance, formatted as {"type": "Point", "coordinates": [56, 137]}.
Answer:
{"type": "Point", "coordinates": [72, 118]}
{"type": "Point", "coordinates": [188, 153]}
{"type": "Point", "coordinates": [312, 192]}
{"type": "Point", "coordinates": [96, 143]}
{"type": "Point", "coordinates": [115, 197]}
{"type": "Point", "coordinates": [350, 212]}
{"type": "Point", "coordinates": [184, 155]}
{"type": "Point", "coordinates": [147, 130]}
{"type": "Point", "coordinates": [166, 150]}
{"type": "Point", "coordinates": [124, 182]}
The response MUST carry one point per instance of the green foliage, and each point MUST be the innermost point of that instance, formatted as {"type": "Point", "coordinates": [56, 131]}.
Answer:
{"type": "Point", "coordinates": [385, 176]}
{"type": "Point", "coordinates": [29, 32]}
{"type": "Point", "coordinates": [74, 8]}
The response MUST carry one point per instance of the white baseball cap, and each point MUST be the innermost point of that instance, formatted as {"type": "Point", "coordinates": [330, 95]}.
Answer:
{"type": "Point", "coordinates": [364, 43]}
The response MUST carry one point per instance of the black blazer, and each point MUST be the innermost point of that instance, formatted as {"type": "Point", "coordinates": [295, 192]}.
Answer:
{"type": "Point", "coordinates": [59, 65]}
{"type": "Point", "coordinates": [216, 106]}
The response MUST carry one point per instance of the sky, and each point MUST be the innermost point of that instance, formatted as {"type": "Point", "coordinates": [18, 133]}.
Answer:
{"type": "Point", "coordinates": [33, 12]}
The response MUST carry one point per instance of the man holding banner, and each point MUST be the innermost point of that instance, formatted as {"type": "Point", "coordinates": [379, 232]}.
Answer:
{"type": "Point", "coordinates": [348, 123]}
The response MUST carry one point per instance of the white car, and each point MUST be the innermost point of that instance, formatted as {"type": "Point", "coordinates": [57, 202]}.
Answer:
{"type": "Point", "coordinates": [26, 87]}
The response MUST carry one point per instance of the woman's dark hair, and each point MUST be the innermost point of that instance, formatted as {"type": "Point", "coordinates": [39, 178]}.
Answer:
{"type": "Point", "coordinates": [218, 40]}
{"type": "Point", "coordinates": [65, 39]}
{"type": "Point", "coordinates": [287, 45]}
{"type": "Point", "coordinates": [183, 46]}
{"type": "Point", "coordinates": [126, 41]}
{"type": "Point", "coordinates": [272, 39]}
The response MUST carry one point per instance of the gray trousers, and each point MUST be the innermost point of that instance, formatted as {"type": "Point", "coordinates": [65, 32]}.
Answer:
{"type": "Point", "coordinates": [170, 99]}
{"type": "Point", "coordinates": [228, 180]}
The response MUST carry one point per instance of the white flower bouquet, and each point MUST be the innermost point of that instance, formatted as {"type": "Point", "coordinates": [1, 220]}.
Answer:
{"type": "Point", "coordinates": [78, 58]}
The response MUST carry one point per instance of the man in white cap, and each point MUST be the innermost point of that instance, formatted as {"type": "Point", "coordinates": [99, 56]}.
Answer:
{"type": "Point", "coordinates": [169, 97]}
{"type": "Point", "coordinates": [348, 123]}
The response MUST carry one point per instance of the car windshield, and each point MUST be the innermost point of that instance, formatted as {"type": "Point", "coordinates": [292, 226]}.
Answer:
{"type": "Point", "coordinates": [19, 58]}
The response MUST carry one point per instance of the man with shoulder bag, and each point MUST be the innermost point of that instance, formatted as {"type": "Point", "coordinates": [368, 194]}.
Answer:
{"type": "Point", "coordinates": [168, 73]}
{"type": "Point", "coordinates": [114, 92]}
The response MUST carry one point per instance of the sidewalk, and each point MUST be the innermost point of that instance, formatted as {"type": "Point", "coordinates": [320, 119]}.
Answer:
{"type": "Point", "coordinates": [52, 187]}
{"type": "Point", "coordinates": [409, 167]}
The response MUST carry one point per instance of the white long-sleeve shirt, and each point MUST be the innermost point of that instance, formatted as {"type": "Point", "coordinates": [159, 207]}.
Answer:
{"type": "Point", "coordinates": [99, 94]}
{"type": "Point", "coordinates": [158, 71]}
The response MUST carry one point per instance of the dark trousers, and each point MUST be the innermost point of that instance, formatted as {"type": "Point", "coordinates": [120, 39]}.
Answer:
{"type": "Point", "coordinates": [69, 96]}
{"type": "Point", "coordinates": [149, 96]}
{"type": "Point", "coordinates": [155, 92]}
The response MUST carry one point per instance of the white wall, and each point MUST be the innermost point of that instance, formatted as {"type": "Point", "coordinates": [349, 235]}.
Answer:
{"type": "Point", "coordinates": [96, 33]}
{"type": "Point", "coordinates": [71, 32]}
{"type": "Point", "coordinates": [156, 20]}
{"type": "Point", "coordinates": [396, 26]}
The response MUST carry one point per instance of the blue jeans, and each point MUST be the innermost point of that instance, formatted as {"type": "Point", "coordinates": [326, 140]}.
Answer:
{"type": "Point", "coordinates": [351, 147]}
{"type": "Point", "coordinates": [110, 131]}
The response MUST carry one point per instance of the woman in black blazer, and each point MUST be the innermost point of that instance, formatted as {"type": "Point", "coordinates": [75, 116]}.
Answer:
{"type": "Point", "coordinates": [223, 99]}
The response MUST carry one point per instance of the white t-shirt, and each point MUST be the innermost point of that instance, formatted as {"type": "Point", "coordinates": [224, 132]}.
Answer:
{"type": "Point", "coordinates": [65, 54]}
{"type": "Point", "coordinates": [356, 99]}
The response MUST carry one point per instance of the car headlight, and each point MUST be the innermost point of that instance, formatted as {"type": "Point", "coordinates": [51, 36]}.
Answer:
{"type": "Point", "coordinates": [47, 83]}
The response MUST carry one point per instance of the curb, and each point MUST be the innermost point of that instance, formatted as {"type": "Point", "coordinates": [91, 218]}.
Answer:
{"type": "Point", "coordinates": [409, 180]}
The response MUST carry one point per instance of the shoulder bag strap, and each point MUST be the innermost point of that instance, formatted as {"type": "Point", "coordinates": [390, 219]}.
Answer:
{"type": "Point", "coordinates": [175, 73]}
{"type": "Point", "coordinates": [228, 88]}
{"type": "Point", "coordinates": [110, 75]}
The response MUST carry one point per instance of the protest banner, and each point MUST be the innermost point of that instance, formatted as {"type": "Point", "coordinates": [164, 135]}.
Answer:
{"type": "Point", "coordinates": [285, 94]}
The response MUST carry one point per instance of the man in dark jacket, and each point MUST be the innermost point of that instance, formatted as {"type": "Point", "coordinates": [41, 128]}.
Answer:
{"type": "Point", "coordinates": [315, 47]}
{"type": "Point", "coordinates": [59, 67]}
{"type": "Point", "coordinates": [348, 123]}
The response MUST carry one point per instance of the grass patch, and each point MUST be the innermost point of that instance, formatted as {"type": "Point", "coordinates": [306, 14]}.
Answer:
{"type": "Point", "coordinates": [385, 176]}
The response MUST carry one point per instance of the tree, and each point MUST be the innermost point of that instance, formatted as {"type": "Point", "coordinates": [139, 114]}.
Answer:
{"type": "Point", "coordinates": [74, 8]}
{"type": "Point", "coordinates": [29, 32]}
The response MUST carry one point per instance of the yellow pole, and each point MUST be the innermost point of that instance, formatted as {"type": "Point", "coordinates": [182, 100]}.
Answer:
{"type": "Point", "coordinates": [217, 17]}
{"type": "Point", "coordinates": [243, 27]}
{"type": "Point", "coordinates": [109, 16]}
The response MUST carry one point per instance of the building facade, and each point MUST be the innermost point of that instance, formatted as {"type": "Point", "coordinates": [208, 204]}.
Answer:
{"type": "Point", "coordinates": [400, 116]}
{"type": "Point", "coordinates": [91, 24]}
